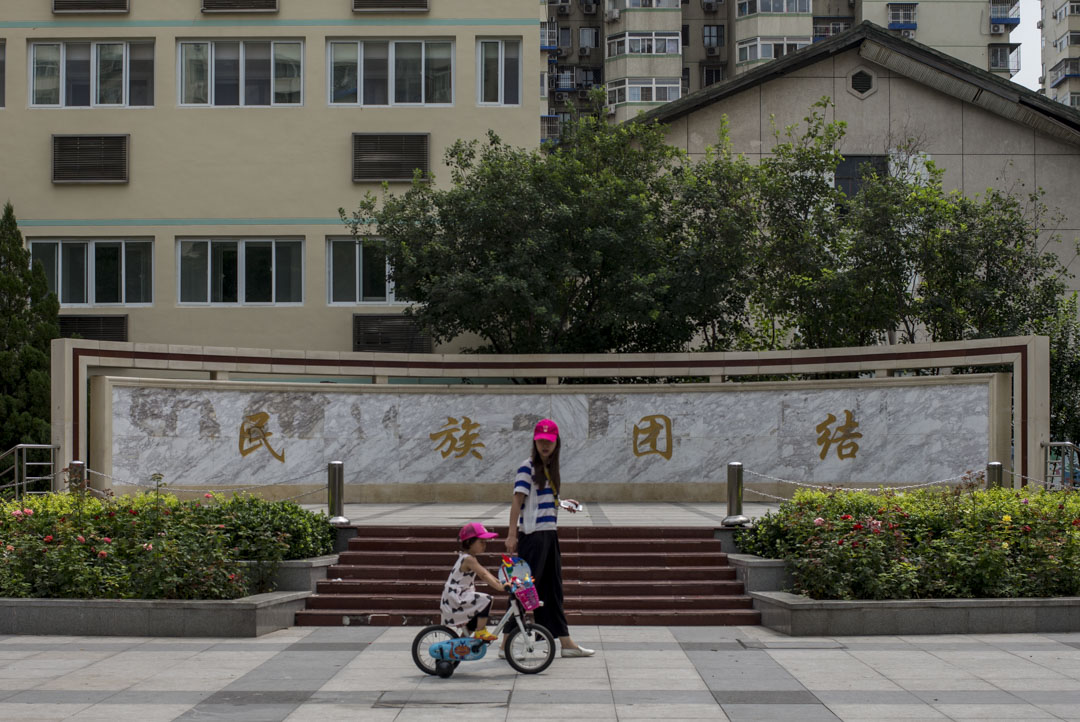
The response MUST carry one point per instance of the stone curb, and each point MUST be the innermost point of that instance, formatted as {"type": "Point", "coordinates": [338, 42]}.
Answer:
{"type": "Point", "coordinates": [245, 617]}
{"type": "Point", "coordinates": [801, 616]}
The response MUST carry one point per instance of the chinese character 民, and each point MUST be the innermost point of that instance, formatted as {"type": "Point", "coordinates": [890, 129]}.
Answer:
{"type": "Point", "coordinates": [465, 444]}
{"type": "Point", "coordinates": [842, 436]}
{"type": "Point", "coordinates": [253, 435]}
{"type": "Point", "coordinates": [647, 436]}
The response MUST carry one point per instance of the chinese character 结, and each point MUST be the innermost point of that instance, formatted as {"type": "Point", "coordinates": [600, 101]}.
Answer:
{"type": "Point", "coordinates": [843, 436]}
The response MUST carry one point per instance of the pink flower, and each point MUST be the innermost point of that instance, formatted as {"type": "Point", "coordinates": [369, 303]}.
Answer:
{"type": "Point", "coordinates": [148, 546]}
{"type": "Point", "coordinates": [1023, 501]}
{"type": "Point", "coordinates": [819, 521]}
{"type": "Point", "coordinates": [220, 526]}
{"type": "Point", "coordinates": [81, 539]}
{"type": "Point", "coordinates": [28, 512]}
{"type": "Point", "coordinates": [16, 513]}
{"type": "Point", "coordinates": [102, 554]}
{"type": "Point", "coordinates": [107, 540]}
{"type": "Point", "coordinates": [208, 495]}
{"type": "Point", "coordinates": [10, 548]}
{"type": "Point", "coordinates": [48, 538]}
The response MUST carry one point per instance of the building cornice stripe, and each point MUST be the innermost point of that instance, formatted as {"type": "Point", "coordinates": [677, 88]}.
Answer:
{"type": "Point", "coordinates": [270, 23]}
{"type": "Point", "coordinates": [127, 222]}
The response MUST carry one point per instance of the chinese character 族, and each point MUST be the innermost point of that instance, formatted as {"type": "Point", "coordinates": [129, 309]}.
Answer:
{"type": "Point", "coordinates": [843, 436]}
{"type": "Point", "coordinates": [461, 446]}
{"type": "Point", "coordinates": [254, 436]}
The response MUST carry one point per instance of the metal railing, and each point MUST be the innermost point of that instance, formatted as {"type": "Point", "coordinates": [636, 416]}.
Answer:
{"type": "Point", "coordinates": [29, 465]}
{"type": "Point", "coordinates": [1062, 464]}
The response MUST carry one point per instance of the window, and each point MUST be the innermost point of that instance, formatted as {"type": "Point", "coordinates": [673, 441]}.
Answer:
{"type": "Point", "coordinates": [713, 36]}
{"type": "Point", "coordinates": [90, 158]}
{"type": "Point", "coordinates": [1069, 8]}
{"type": "Point", "coordinates": [658, 43]}
{"type": "Point", "coordinates": [853, 168]}
{"type": "Point", "coordinates": [418, 72]}
{"type": "Point", "coordinates": [232, 6]}
{"type": "Point", "coordinates": [98, 74]}
{"type": "Point", "coordinates": [389, 156]}
{"type": "Point", "coordinates": [549, 35]}
{"type": "Point", "coordinates": [709, 76]}
{"type": "Point", "coordinates": [357, 271]}
{"type": "Point", "coordinates": [231, 73]}
{"type": "Point", "coordinates": [1066, 40]}
{"type": "Point", "coordinates": [902, 12]}
{"type": "Point", "coordinates": [643, 90]}
{"type": "Point", "coordinates": [825, 28]}
{"type": "Point", "coordinates": [1074, 100]}
{"type": "Point", "coordinates": [652, 3]}
{"type": "Point", "coordinates": [768, 48]}
{"type": "Point", "coordinates": [783, 6]}
{"type": "Point", "coordinates": [1005, 58]}
{"type": "Point", "coordinates": [249, 271]}
{"type": "Point", "coordinates": [90, 6]}
{"type": "Point", "coordinates": [1064, 69]}
{"type": "Point", "coordinates": [588, 37]}
{"type": "Point", "coordinates": [499, 72]}
{"type": "Point", "coordinates": [2, 68]}
{"type": "Point", "coordinates": [565, 36]}
{"type": "Point", "coordinates": [98, 272]}
{"type": "Point", "coordinates": [685, 35]}
{"type": "Point", "coordinates": [746, 7]}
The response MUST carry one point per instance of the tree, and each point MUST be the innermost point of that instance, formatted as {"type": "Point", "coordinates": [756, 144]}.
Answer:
{"type": "Point", "coordinates": [28, 322]}
{"type": "Point", "coordinates": [598, 246]}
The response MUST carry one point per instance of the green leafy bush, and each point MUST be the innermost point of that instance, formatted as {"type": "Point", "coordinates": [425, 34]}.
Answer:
{"type": "Point", "coordinates": [958, 543]}
{"type": "Point", "coordinates": [151, 546]}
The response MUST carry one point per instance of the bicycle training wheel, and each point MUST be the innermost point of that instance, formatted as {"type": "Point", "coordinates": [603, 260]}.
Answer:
{"type": "Point", "coordinates": [517, 649]}
{"type": "Point", "coordinates": [422, 643]}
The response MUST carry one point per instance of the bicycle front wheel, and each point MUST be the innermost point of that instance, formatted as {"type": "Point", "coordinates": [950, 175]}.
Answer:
{"type": "Point", "coordinates": [530, 652]}
{"type": "Point", "coordinates": [422, 643]}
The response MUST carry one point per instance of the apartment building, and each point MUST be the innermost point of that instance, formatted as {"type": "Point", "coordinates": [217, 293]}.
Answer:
{"type": "Point", "coordinates": [1059, 24]}
{"type": "Point", "coordinates": [649, 52]}
{"type": "Point", "coordinates": [177, 165]}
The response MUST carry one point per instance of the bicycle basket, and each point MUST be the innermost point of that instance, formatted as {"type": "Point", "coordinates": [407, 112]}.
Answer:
{"type": "Point", "coordinates": [528, 597]}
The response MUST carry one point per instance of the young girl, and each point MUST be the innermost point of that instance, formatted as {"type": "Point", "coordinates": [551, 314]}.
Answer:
{"type": "Point", "coordinates": [461, 604]}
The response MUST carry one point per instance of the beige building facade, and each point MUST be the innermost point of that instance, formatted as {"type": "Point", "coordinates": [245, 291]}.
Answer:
{"type": "Point", "coordinates": [1059, 25]}
{"type": "Point", "coordinates": [648, 52]}
{"type": "Point", "coordinates": [177, 165]}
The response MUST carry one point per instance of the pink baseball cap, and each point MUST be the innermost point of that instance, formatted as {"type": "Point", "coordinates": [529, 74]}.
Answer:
{"type": "Point", "coordinates": [473, 530]}
{"type": "Point", "coordinates": [547, 430]}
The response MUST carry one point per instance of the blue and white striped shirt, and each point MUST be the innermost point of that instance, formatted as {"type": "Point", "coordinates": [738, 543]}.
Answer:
{"type": "Point", "coordinates": [540, 510]}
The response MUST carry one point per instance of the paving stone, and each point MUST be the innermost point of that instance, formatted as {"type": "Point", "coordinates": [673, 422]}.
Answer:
{"type": "Point", "coordinates": [778, 713]}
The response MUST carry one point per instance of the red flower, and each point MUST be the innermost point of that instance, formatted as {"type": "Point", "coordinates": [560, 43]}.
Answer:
{"type": "Point", "coordinates": [112, 513]}
{"type": "Point", "coordinates": [48, 538]}
{"type": "Point", "coordinates": [232, 576]}
{"type": "Point", "coordinates": [854, 543]}
{"type": "Point", "coordinates": [1076, 522]}
{"type": "Point", "coordinates": [1027, 528]}
{"type": "Point", "coordinates": [167, 511]}
{"type": "Point", "coordinates": [840, 542]}
{"type": "Point", "coordinates": [102, 554]}
{"type": "Point", "coordinates": [81, 539]}
{"type": "Point", "coordinates": [106, 539]}
{"type": "Point", "coordinates": [857, 527]}
{"type": "Point", "coordinates": [847, 517]}
{"type": "Point", "coordinates": [876, 530]}
{"type": "Point", "coordinates": [132, 511]}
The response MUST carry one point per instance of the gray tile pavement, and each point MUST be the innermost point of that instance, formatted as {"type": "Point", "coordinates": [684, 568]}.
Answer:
{"type": "Point", "coordinates": [638, 673]}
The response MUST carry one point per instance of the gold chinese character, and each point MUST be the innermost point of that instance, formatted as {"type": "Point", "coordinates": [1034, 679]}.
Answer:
{"type": "Point", "coordinates": [253, 436]}
{"type": "Point", "coordinates": [647, 436]}
{"type": "Point", "coordinates": [463, 445]}
{"type": "Point", "coordinates": [842, 436]}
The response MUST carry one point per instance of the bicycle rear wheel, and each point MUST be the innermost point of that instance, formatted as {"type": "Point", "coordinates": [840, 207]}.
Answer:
{"type": "Point", "coordinates": [422, 643]}
{"type": "Point", "coordinates": [524, 659]}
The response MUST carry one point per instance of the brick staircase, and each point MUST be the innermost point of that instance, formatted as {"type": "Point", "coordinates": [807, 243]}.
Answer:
{"type": "Point", "coordinates": [393, 576]}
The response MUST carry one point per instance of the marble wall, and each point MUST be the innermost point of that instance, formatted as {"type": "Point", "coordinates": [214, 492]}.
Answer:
{"type": "Point", "coordinates": [228, 434]}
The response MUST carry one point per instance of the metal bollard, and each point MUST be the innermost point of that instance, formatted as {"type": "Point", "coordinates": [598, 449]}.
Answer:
{"type": "Point", "coordinates": [77, 476]}
{"type": "Point", "coordinates": [335, 485]}
{"type": "Point", "coordinates": [734, 496]}
{"type": "Point", "coordinates": [994, 475]}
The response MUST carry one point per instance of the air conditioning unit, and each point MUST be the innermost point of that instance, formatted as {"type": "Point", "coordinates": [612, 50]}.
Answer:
{"type": "Point", "coordinates": [708, 6]}
{"type": "Point", "coordinates": [560, 97]}
{"type": "Point", "coordinates": [611, 110]}
{"type": "Point", "coordinates": [584, 52]}
{"type": "Point", "coordinates": [1042, 79]}
{"type": "Point", "coordinates": [583, 94]}
{"type": "Point", "coordinates": [589, 8]}
{"type": "Point", "coordinates": [1039, 24]}
{"type": "Point", "coordinates": [611, 16]}
{"type": "Point", "coordinates": [564, 10]}
{"type": "Point", "coordinates": [560, 52]}
{"type": "Point", "coordinates": [907, 34]}
{"type": "Point", "coordinates": [997, 28]}
{"type": "Point", "coordinates": [712, 51]}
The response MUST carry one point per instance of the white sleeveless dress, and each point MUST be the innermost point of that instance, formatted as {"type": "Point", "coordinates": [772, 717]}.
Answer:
{"type": "Point", "coordinates": [460, 600]}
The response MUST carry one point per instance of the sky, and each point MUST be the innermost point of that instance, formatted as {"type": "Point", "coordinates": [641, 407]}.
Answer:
{"type": "Point", "coordinates": [1030, 50]}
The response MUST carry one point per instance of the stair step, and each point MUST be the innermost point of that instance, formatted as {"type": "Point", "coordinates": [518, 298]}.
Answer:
{"type": "Point", "coordinates": [571, 587]}
{"type": "Point", "coordinates": [626, 617]}
{"type": "Point", "coordinates": [441, 572]}
{"type": "Point", "coordinates": [590, 603]}
{"type": "Point", "coordinates": [568, 546]}
{"type": "Point", "coordinates": [645, 558]}
{"type": "Point", "coordinates": [449, 533]}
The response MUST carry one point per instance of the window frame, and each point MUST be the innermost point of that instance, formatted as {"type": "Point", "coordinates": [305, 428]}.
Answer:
{"type": "Point", "coordinates": [211, 62]}
{"type": "Point", "coordinates": [94, 79]}
{"type": "Point", "coordinates": [502, 72]}
{"type": "Point", "coordinates": [90, 268]}
{"type": "Point", "coordinates": [755, 46]}
{"type": "Point", "coordinates": [391, 72]}
{"type": "Point", "coordinates": [358, 278]}
{"type": "Point", "coordinates": [3, 73]}
{"type": "Point", "coordinates": [623, 89]}
{"type": "Point", "coordinates": [906, 13]}
{"type": "Point", "coordinates": [622, 42]}
{"type": "Point", "coordinates": [717, 36]}
{"type": "Point", "coordinates": [241, 268]}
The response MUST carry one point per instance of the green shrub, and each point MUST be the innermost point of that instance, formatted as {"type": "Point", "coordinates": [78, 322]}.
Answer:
{"type": "Point", "coordinates": [962, 543]}
{"type": "Point", "coordinates": [151, 546]}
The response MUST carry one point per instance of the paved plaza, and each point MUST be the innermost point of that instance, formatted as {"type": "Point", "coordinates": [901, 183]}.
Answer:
{"type": "Point", "coordinates": [315, 674]}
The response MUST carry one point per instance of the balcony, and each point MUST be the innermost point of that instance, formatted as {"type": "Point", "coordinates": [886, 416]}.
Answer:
{"type": "Point", "coordinates": [1005, 58]}
{"type": "Point", "coordinates": [549, 128]}
{"type": "Point", "coordinates": [549, 36]}
{"type": "Point", "coordinates": [1068, 68]}
{"type": "Point", "coordinates": [902, 16]}
{"type": "Point", "coordinates": [827, 27]}
{"type": "Point", "coordinates": [1006, 13]}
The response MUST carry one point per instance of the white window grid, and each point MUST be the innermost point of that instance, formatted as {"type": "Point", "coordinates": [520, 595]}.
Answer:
{"type": "Point", "coordinates": [391, 72]}
{"type": "Point", "coordinates": [3, 72]}
{"type": "Point", "coordinates": [241, 268]}
{"type": "Point", "coordinates": [654, 43]}
{"type": "Point", "coordinates": [502, 70]}
{"type": "Point", "coordinates": [788, 7]}
{"type": "Point", "coordinates": [644, 90]}
{"type": "Point", "coordinates": [746, 7]}
{"type": "Point", "coordinates": [210, 59]}
{"type": "Point", "coordinates": [902, 12]}
{"type": "Point", "coordinates": [768, 48]}
{"type": "Point", "coordinates": [652, 3]}
{"type": "Point", "coordinates": [94, 80]}
{"type": "Point", "coordinates": [358, 280]}
{"type": "Point", "coordinates": [90, 269]}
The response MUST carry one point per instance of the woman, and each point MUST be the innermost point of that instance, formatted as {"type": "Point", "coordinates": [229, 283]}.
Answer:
{"type": "Point", "coordinates": [534, 514]}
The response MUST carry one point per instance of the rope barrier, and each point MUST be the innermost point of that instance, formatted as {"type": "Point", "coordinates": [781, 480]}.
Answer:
{"type": "Point", "coordinates": [246, 487]}
{"type": "Point", "coordinates": [762, 493]}
{"type": "Point", "coordinates": [805, 485]}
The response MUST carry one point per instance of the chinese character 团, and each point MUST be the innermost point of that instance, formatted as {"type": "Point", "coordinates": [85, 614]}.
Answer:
{"type": "Point", "coordinates": [648, 439]}
{"type": "Point", "coordinates": [463, 445]}
{"type": "Point", "coordinates": [843, 436]}
{"type": "Point", "coordinates": [253, 435]}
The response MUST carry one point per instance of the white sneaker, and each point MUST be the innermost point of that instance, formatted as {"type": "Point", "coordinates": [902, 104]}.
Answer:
{"type": "Point", "coordinates": [502, 653]}
{"type": "Point", "coordinates": [578, 652]}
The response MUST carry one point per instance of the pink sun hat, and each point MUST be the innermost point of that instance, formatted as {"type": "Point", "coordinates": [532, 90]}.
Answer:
{"type": "Point", "coordinates": [546, 430]}
{"type": "Point", "coordinates": [473, 530]}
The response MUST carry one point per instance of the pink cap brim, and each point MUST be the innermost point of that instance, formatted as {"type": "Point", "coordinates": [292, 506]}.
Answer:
{"type": "Point", "coordinates": [546, 437]}
{"type": "Point", "coordinates": [489, 535]}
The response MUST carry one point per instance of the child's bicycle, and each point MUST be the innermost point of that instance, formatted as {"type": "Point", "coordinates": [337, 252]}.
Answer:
{"type": "Point", "coordinates": [530, 647]}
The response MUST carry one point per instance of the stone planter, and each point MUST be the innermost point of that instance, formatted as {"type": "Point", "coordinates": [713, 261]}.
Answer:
{"type": "Point", "coordinates": [299, 575]}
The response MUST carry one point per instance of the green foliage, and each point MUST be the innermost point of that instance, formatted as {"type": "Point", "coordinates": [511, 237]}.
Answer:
{"type": "Point", "coordinates": [28, 322]}
{"type": "Point", "coordinates": [961, 543]}
{"type": "Point", "coordinates": [151, 546]}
